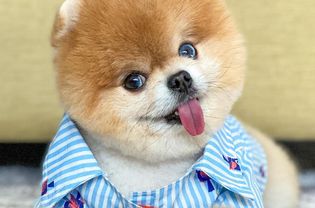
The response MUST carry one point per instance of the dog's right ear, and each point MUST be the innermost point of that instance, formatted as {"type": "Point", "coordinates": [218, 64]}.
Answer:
{"type": "Point", "coordinates": [65, 20]}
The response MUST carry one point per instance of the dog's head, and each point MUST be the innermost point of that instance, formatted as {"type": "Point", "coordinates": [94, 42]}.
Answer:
{"type": "Point", "coordinates": [152, 78]}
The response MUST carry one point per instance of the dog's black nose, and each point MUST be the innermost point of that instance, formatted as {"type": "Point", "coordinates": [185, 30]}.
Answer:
{"type": "Point", "coordinates": [180, 82]}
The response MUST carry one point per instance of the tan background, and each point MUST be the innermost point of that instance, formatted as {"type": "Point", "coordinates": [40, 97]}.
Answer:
{"type": "Point", "coordinates": [279, 93]}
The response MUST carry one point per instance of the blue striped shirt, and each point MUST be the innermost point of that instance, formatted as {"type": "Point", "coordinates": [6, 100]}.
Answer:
{"type": "Point", "coordinates": [230, 173]}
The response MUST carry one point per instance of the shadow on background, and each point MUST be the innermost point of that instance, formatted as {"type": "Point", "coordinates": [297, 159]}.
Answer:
{"type": "Point", "coordinates": [32, 155]}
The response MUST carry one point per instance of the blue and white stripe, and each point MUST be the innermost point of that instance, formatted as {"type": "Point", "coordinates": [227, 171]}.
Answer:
{"type": "Point", "coordinates": [72, 168]}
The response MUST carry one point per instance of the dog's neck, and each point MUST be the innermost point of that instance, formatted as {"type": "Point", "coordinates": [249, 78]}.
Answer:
{"type": "Point", "coordinates": [129, 174]}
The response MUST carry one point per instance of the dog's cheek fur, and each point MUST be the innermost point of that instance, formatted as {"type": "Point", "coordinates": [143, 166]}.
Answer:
{"type": "Point", "coordinates": [224, 85]}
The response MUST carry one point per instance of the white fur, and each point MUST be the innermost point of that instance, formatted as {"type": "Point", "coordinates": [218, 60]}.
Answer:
{"type": "Point", "coordinates": [129, 174]}
{"type": "Point", "coordinates": [69, 12]}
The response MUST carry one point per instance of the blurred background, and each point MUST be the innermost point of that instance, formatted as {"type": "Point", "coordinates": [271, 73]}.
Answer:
{"type": "Point", "coordinates": [279, 96]}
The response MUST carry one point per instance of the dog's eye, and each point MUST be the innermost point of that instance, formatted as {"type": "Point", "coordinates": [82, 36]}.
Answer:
{"type": "Point", "coordinates": [134, 81]}
{"type": "Point", "coordinates": [187, 50]}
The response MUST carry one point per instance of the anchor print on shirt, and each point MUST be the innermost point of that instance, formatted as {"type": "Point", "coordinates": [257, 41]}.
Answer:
{"type": "Point", "coordinates": [47, 185]}
{"type": "Point", "coordinates": [203, 177]}
{"type": "Point", "coordinates": [74, 202]}
{"type": "Point", "coordinates": [233, 162]}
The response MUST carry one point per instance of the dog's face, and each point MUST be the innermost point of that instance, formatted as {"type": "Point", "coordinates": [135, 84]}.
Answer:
{"type": "Point", "coordinates": [151, 78]}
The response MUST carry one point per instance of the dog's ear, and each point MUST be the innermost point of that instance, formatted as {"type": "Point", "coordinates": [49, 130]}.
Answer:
{"type": "Point", "coordinates": [65, 20]}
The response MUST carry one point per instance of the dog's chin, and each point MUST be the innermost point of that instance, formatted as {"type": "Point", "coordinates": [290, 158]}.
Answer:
{"type": "Point", "coordinates": [171, 142]}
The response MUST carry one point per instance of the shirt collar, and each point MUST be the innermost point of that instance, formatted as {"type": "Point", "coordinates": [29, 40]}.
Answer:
{"type": "Point", "coordinates": [68, 150]}
{"type": "Point", "coordinates": [68, 153]}
{"type": "Point", "coordinates": [222, 161]}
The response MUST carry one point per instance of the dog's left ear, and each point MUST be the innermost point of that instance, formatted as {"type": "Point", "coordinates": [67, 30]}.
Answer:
{"type": "Point", "coordinates": [65, 20]}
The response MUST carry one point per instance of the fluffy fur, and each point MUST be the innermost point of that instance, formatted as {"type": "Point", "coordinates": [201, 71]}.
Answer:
{"type": "Point", "coordinates": [98, 43]}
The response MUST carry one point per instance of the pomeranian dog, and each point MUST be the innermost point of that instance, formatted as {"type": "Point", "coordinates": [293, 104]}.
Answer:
{"type": "Point", "coordinates": [147, 87]}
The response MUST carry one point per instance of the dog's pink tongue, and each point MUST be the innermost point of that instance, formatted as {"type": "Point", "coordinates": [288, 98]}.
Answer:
{"type": "Point", "coordinates": [191, 116]}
